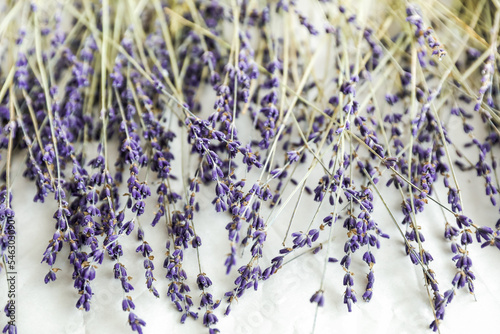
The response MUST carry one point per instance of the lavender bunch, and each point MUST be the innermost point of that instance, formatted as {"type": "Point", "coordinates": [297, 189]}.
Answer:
{"type": "Point", "coordinates": [200, 124]}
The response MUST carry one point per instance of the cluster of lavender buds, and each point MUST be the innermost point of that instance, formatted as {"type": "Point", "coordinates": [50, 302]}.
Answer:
{"type": "Point", "coordinates": [222, 140]}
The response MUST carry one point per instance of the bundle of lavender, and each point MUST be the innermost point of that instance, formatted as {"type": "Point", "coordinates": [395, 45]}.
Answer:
{"type": "Point", "coordinates": [128, 116]}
